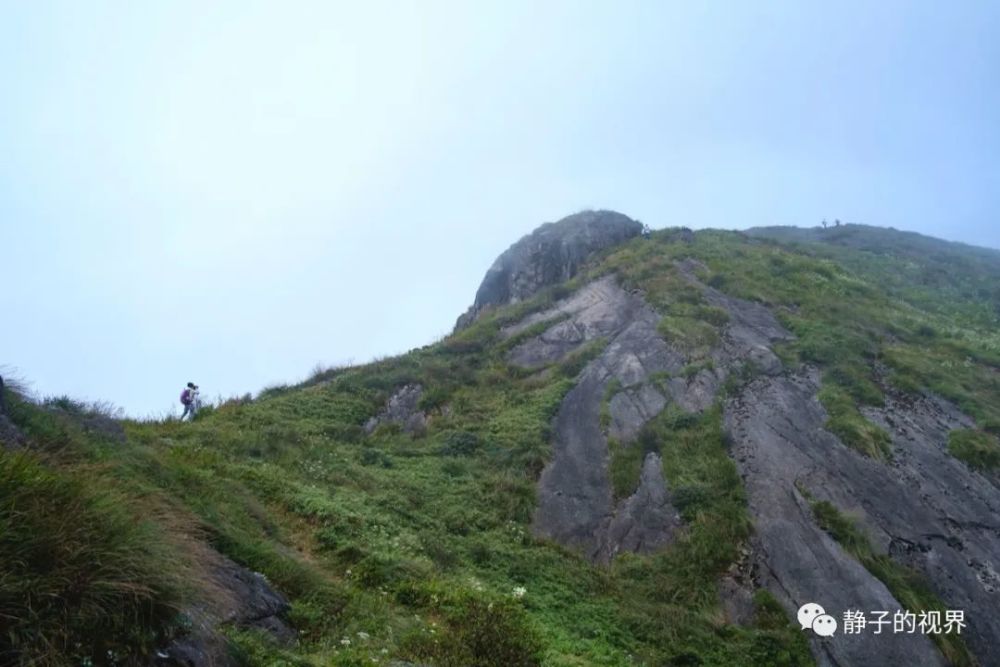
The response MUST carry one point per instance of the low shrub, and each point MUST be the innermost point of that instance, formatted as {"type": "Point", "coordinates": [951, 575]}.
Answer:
{"type": "Point", "coordinates": [479, 632]}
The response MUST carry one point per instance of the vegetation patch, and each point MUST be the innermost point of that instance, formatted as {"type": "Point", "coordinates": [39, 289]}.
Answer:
{"type": "Point", "coordinates": [85, 575]}
{"type": "Point", "coordinates": [626, 459]}
{"type": "Point", "coordinates": [980, 450]}
{"type": "Point", "coordinates": [853, 429]}
{"type": "Point", "coordinates": [477, 631]}
{"type": "Point", "coordinates": [694, 337]}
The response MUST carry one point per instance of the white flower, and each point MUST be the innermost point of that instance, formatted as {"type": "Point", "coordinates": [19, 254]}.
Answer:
{"type": "Point", "coordinates": [345, 641]}
{"type": "Point", "coordinates": [363, 635]}
{"type": "Point", "coordinates": [519, 591]}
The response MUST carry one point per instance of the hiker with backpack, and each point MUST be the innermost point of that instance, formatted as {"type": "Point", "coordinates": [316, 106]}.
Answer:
{"type": "Point", "coordinates": [189, 399]}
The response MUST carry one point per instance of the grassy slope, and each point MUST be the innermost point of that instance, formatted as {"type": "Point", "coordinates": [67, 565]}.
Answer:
{"type": "Point", "coordinates": [393, 546]}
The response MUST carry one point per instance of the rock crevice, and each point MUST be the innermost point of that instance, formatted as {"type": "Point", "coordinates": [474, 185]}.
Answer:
{"type": "Point", "coordinates": [576, 504]}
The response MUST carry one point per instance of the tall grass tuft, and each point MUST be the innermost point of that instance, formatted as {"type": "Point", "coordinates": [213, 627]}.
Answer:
{"type": "Point", "coordinates": [84, 575]}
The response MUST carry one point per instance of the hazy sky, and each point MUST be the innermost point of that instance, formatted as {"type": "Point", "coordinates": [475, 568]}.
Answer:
{"type": "Point", "coordinates": [231, 192]}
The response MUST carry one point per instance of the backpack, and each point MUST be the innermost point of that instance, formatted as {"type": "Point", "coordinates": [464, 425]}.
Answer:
{"type": "Point", "coordinates": [186, 396]}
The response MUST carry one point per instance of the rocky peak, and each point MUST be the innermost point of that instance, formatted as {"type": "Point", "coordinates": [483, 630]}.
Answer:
{"type": "Point", "coordinates": [551, 254]}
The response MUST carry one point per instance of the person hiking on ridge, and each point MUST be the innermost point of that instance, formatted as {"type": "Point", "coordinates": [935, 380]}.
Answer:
{"type": "Point", "coordinates": [189, 399]}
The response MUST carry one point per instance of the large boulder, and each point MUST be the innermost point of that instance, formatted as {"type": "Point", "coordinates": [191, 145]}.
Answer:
{"type": "Point", "coordinates": [241, 598]}
{"type": "Point", "coordinates": [551, 254]}
{"type": "Point", "coordinates": [402, 408]}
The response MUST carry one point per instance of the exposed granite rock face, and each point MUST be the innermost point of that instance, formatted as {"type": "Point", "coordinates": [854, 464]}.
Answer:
{"type": "Point", "coordinates": [925, 508]}
{"type": "Point", "coordinates": [645, 521]}
{"type": "Point", "coordinates": [240, 597]}
{"type": "Point", "coordinates": [951, 527]}
{"type": "Point", "coordinates": [599, 309]}
{"type": "Point", "coordinates": [549, 255]}
{"type": "Point", "coordinates": [402, 408]}
{"type": "Point", "coordinates": [630, 408]}
{"type": "Point", "coordinates": [779, 443]}
{"type": "Point", "coordinates": [576, 506]}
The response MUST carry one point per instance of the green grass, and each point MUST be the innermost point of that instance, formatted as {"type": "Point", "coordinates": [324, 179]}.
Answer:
{"type": "Point", "coordinates": [693, 337]}
{"type": "Point", "coordinates": [88, 571]}
{"type": "Point", "coordinates": [613, 387]}
{"type": "Point", "coordinates": [676, 593]}
{"type": "Point", "coordinates": [625, 463]}
{"type": "Point", "coordinates": [979, 449]}
{"type": "Point", "coordinates": [853, 429]}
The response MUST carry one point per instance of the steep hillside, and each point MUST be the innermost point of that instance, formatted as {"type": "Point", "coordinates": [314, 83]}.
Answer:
{"type": "Point", "coordinates": [634, 450]}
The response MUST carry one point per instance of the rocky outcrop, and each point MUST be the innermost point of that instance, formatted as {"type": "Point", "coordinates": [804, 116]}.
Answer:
{"type": "Point", "coordinates": [576, 507]}
{"type": "Point", "coordinates": [551, 254]}
{"type": "Point", "coordinates": [925, 509]}
{"type": "Point", "coordinates": [780, 447]}
{"type": "Point", "coordinates": [575, 504]}
{"type": "Point", "coordinates": [403, 409]}
{"type": "Point", "coordinates": [646, 520]}
{"type": "Point", "coordinates": [631, 408]}
{"type": "Point", "coordinates": [237, 596]}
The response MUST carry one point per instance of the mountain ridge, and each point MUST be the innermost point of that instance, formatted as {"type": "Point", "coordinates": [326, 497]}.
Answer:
{"type": "Point", "coordinates": [640, 460]}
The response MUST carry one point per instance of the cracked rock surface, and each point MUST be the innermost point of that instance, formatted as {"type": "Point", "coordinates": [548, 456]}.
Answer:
{"type": "Point", "coordinates": [576, 507]}
{"type": "Point", "coordinates": [779, 443]}
{"type": "Point", "coordinates": [924, 508]}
